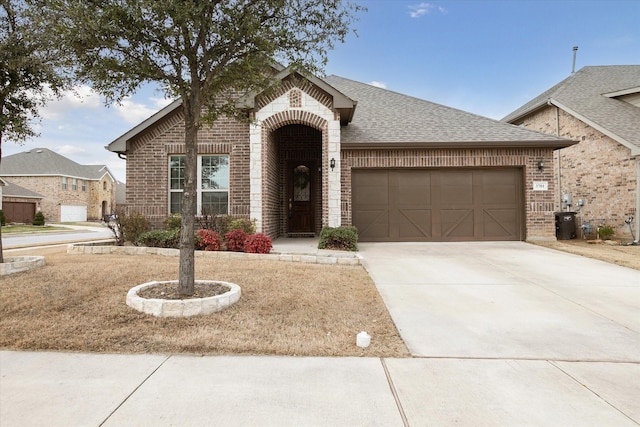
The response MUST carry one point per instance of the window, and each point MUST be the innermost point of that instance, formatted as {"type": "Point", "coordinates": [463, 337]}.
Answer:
{"type": "Point", "coordinates": [212, 186]}
{"type": "Point", "coordinates": [104, 185]}
{"type": "Point", "coordinates": [84, 185]}
{"type": "Point", "coordinates": [64, 182]}
{"type": "Point", "coordinates": [74, 184]}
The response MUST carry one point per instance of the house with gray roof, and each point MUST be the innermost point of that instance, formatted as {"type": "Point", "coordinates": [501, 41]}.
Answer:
{"type": "Point", "coordinates": [329, 152]}
{"type": "Point", "coordinates": [598, 178]}
{"type": "Point", "coordinates": [69, 191]}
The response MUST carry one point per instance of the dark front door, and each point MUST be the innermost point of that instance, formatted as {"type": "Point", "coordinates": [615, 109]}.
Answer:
{"type": "Point", "coordinates": [301, 197]}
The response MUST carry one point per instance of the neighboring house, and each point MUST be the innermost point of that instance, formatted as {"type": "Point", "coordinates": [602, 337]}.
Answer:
{"type": "Point", "coordinates": [331, 152]}
{"type": "Point", "coordinates": [19, 204]}
{"type": "Point", "coordinates": [71, 192]}
{"type": "Point", "coordinates": [600, 108]}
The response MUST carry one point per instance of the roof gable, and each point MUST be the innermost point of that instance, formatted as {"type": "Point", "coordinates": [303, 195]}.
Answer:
{"type": "Point", "coordinates": [604, 97]}
{"type": "Point", "coordinates": [10, 189]}
{"type": "Point", "coordinates": [340, 102]}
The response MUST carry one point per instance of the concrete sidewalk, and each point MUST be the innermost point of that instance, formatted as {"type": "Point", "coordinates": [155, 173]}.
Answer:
{"type": "Point", "coordinates": [61, 389]}
{"type": "Point", "coordinates": [502, 334]}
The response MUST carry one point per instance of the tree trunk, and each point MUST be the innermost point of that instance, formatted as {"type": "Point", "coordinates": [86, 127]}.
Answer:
{"type": "Point", "coordinates": [1, 249]}
{"type": "Point", "coordinates": [186, 278]}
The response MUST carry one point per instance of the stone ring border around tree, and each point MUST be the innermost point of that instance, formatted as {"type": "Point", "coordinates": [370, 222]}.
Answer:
{"type": "Point", "coordinates": [183, 307]}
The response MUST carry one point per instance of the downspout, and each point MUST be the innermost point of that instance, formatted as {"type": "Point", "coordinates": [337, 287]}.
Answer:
{"type": "Point", "coordinates": [559, 155]}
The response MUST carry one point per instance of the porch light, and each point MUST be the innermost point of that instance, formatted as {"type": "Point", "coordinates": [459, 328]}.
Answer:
{"type": "Point", "coordinates": [541, 165]}
{"type": "Point", "coordinates": [332, 163]}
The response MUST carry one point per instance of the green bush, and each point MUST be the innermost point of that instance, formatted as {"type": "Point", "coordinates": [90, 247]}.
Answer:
{"type": "Point", "coordinates": [38, 219]}
{"type": "Point", "coordinates": [159, 239]}
{"type": "Point", "coordinates": [173, 222]}
{"type": "Point", "coordinates": [244, 224]}
{"type": "Point", "coordinates": [606, 232]}
{"type": "Point", "coordinates": [3, 218]}
{"type": "Point", "coordinates": [340, 238]}
{"type": "Point", "coordinates": [133, 226]}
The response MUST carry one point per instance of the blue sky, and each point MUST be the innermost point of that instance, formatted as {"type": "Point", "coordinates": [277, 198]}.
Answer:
{"type": "Point", "coordinates": [485, 57]}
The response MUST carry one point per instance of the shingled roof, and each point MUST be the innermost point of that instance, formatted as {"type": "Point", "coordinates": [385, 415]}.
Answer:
{"type": "Point", "coordinates": [44, 162]}
{"type": "Point", "coordinates": [9, 189]}
{"type": "Point", "coordinates": [387, 118]}
{"type": "Point", "coordinates": [593, 95]}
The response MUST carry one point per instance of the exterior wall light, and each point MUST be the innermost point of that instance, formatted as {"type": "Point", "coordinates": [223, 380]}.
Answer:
{"type": "Point", "coordinates": [332, 163]}
{"type": "Point", "coordinates": [541, 165]}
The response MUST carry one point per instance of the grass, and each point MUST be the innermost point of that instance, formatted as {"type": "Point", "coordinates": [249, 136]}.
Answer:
{"type": "Point", "coordinates": [31, 229]}
{"type": "Point", "coordinates": [77, 303]}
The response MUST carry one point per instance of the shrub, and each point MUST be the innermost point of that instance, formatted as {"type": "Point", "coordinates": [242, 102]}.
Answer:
{"type": "Point", "coordinates": [159, 239]}
{"type": "Point", "coordinates": [208, 240]}
{"type": "Point", "coordinates": [3, 218]}
{"type": "Point", "coordinates": [235, 240]}
{"type": "Point", "coordinates": [38, 219]}
{"type": "Point", "coordinates": [257, 244]}
{"type": "Point", "coordinates": [340, 238]}
{"type": "Point", "coordinates": [218, 223]}
{"type": "Point", "coordinates": [133, 226]}
{"type": "Point", "coordinates": [606, 232]}
{"type": "Point", "coordinates": [244, 224]}
{"type": "Point", "coordinates": [173, 222]}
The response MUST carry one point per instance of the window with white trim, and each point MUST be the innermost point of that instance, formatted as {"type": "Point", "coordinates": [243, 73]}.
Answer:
{"type": "Point", "coordinates": [84, 185]}
{"type": "Point", "coordinates": [74, 184]}
{"type": "Point", "coordinates": [212, 186]}
{"type": "Point", "coordinates": [64, 182]}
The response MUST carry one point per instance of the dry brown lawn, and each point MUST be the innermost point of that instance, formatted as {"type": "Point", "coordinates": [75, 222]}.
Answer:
{"type": "Point", "coordinates": [77, 303]}
{"type": "Point", "coordinates": [624, 255]}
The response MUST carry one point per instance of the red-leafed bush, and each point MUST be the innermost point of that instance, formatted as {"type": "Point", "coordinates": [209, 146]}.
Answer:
{"type": "Point", "coordinates": [257, 244]}
{"type": "Point", "coordinates": [208, 240]}
{"type": "Point", "coordinates": [235, 240]}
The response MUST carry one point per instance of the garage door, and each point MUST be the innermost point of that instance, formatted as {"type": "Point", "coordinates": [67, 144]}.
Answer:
{"type": "Point", "coordinates": [442, 205]}
{"type": "Point", "coordinates": [19, 211]}
{"type": "Point", "coordinates": [71, 213]}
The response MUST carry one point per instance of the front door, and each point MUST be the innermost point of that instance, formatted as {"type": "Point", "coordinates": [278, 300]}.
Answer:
{"type": "Point", "coordinates": [301, 196]}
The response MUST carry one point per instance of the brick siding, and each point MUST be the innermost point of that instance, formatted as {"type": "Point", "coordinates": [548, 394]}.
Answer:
{"type": "Point", "coordinates": [598, 170]}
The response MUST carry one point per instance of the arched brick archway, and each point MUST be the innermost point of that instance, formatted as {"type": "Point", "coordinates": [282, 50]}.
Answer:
{"type": "Point", "coordinates": [290, 139]}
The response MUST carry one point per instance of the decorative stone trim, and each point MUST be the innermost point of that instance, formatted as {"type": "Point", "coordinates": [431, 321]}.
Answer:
{"type": "Point", "coordinates": [322, 257]}
{"type": "Point", "coordinates": [184, 307]}
{"type": "Point", "coordinates": [17, 264]}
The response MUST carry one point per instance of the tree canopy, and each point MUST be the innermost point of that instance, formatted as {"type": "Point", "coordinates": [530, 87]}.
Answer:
{"type": "Point", "coordinates": [209, 53]}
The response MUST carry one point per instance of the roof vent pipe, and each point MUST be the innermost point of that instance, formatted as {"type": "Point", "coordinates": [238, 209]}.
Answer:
{"type": "Point", "coordinates": [573, 67]}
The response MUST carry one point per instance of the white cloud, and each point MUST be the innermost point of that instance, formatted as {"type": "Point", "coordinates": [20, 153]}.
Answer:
{"type": "Point", "coordinates": [70, 150]}
{"type": "Point", "coordinates": [418, 10]}
{"type": "Point", "coordinates": [133, 112]}
{"type": "Point", "coordinates": [378, 84]}
{"type": "Point", "coordinates": [81, 97]}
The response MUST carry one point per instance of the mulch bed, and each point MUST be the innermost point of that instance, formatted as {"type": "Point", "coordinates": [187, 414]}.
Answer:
{"type": "Point", "coordinates": [170, 291]}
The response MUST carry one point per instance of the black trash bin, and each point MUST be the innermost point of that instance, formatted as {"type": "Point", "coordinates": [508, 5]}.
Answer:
{"type": "Point", "coordinates": [565, 225]}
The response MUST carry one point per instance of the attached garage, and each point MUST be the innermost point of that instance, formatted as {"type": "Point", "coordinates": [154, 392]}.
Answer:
{"type": "Point", "coordinates": [439, 205]}
{"type": "Point", "coordinates": [22, 212]}
{"type": "Point", "coordinates": [73, 213]}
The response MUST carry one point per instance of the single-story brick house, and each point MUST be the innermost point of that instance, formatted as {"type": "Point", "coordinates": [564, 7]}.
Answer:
{"type": "Point", "coordinates": [70, 191]}
{"type": "Point", "coordinates": [599, 178]}
{"type": "Point", "coordinates": [333, 151]}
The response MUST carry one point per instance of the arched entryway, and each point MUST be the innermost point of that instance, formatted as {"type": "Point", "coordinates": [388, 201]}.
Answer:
{"type": "Point", "coordinates": [294, 181]}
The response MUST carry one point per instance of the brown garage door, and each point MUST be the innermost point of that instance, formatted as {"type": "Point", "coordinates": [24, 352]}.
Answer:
{"type": "Point", "coordinates": [442, 205]}
{"type": "Point", "coordinates": [19, 211]}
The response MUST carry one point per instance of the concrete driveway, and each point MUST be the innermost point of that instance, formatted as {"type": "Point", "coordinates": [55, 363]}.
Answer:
{"type": "Point", "coordinates": [507, 300]}
{"type": "Point", "coordinates": [511, 333]}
